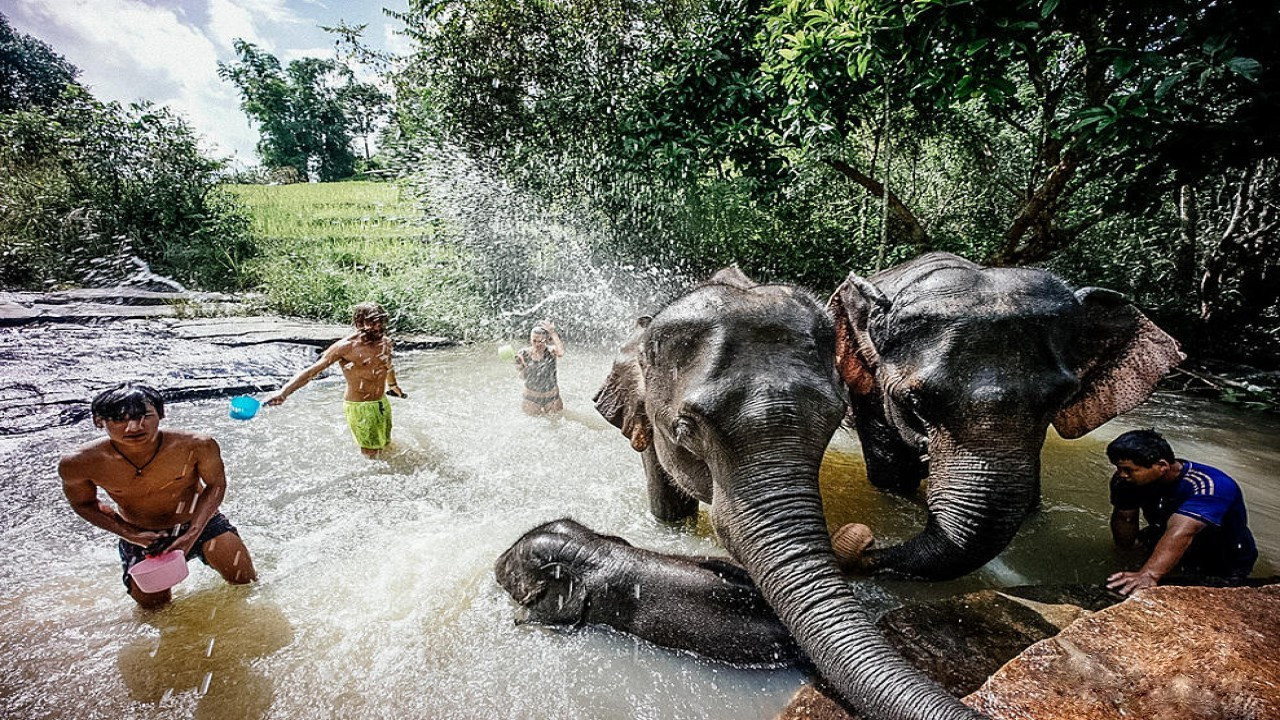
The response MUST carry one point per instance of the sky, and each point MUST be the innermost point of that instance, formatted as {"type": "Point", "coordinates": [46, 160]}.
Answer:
{"type": "Point", "coordinates": [167, 51]}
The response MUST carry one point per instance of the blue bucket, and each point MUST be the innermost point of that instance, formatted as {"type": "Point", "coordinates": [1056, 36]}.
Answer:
{"type": "Point", "coordinates": [244, 407]}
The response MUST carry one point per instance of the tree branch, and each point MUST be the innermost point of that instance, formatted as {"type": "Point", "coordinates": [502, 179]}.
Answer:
{"type": "Point", "coordinates": [916, 234]}
{"type": "Point", "coordinates": [1037, 208]}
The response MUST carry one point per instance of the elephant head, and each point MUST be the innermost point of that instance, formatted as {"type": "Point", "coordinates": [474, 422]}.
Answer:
{"type": "Point", "coordinates": [955, 371]}
{"type": "Point", "coordinates": [564, 574]}
{"type": "Point", "coordinates": [733, 390]}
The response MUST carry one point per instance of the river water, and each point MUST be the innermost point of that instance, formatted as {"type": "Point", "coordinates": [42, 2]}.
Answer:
{"type": "Point", "coordinates": [376, 596]}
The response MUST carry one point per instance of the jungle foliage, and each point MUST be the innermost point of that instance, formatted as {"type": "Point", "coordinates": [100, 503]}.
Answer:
{"type": "Point", "coordinates": [93, 192]}
{"type": "Point", "coordinates": [1120, 143]}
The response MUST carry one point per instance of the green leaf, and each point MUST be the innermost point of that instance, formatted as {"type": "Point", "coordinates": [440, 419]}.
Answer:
{"type": "Point", "coordinates": [1123, 66]}
{"type": "Point", "coordinates": [1166, 85]}
{"type": "Point", "coordinates": [1048, 8]}
{"type": "Point", "coordinates": [1247, 68]}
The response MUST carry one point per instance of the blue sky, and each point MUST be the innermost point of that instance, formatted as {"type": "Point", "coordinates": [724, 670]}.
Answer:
{"type": "Point", "coordinates": [167, 51]}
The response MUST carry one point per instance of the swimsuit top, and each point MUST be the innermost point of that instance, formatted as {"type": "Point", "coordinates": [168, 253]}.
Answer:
{"type": "Point", "coordinates": [539, 375]}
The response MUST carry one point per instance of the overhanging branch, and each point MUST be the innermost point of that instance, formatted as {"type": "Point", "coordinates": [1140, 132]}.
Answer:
{"type": "Point", "coordinates": [915, 231]}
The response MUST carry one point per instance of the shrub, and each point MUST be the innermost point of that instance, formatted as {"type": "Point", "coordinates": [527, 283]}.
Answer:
{"type": "Point", "coordinates": [86, 181]}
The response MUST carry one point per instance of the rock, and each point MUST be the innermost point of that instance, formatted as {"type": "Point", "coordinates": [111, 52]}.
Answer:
{"type": "Point", "coordinates": [1190, 653]}
{"type": "Point", "coordinates": [244, 331]}
{"type": "Point", "coordinates": [1169, 652]}
{"type": "Point", "coordinates": [14, 313]}
{"type": "Point", "coordinates": [95, 304]}
{"type": "Point", "coordinates": [130, 296]}
{"type": "Point", "coordinates": [960, 641]}
{"type": "Point", "coordinates": [50, 370]}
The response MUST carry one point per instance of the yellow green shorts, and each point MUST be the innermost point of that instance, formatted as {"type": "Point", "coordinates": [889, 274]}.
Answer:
{"type": "Point", "coordinates": [370, 422]}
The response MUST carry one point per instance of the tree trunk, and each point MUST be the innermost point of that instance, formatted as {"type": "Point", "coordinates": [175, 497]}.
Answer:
{"type": "Point", "coordinates": [1037, 215]}
{"type": "Point", "coordinates": [1185, 255]}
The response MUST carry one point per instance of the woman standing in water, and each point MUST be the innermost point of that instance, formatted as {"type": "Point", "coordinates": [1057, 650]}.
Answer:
{"type": "Point", "coordinates": [537, 364]}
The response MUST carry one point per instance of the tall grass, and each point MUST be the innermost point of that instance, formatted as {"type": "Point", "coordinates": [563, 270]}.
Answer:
{"type": "Point", "coordinates": [325, 247]}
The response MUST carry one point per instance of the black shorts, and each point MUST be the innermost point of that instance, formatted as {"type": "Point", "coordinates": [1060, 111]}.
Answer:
{"type": "Point", "coordinates": [131, 554]}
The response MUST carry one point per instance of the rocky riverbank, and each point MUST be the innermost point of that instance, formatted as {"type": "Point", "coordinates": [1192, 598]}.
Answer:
{"type": "Point", "coordinates": [59, 349]}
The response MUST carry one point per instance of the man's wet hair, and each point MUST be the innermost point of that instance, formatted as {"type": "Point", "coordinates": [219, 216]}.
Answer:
{"type": "Point", "coordinates": [1141, 447]}
{"type": "Point", "coordinates": [368, 312]}
{"type": "Point", "coordinates": [127, 401]}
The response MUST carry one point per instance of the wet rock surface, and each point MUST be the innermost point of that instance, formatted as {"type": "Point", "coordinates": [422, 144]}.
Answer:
{"type": "Point", "coordinates": [58, 350]}
{"type": "Point", "coordinates": [1189, 653]}
{"type": "Point", "coordinates": [960, 641]}
{"type": "Point", "coordinates": [1168, 652]}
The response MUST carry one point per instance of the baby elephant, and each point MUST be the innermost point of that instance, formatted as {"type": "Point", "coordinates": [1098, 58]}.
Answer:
{"type": "Point", "coordinates": [563, 573]}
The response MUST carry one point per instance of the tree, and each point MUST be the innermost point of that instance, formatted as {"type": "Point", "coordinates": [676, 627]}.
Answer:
{"type": "Point", "coordinates": [366, 108]}
{"type": "Point", "coordinates": [86, 187]}
{"type": "Point", "coordinates": [786, 135]}
{"type": "Point", "coordinates": [301, 111]}
{"type": "Point", "coordinates": [32, 75]}
{"type": "Point", "coordinates": [1089, 91]}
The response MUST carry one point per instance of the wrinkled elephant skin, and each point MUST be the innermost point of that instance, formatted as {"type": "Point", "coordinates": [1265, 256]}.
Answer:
{"type": "Point", "coordinates": [955, 371]}
{"type": "Point", "coordinates": [564, 574]}
{"type": "Point", "coordinates": [731, 393]}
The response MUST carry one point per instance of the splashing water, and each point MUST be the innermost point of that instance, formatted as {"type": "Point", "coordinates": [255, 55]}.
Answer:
{"type": "Point", "coordinates": [536, 261]}
{"type": "Point", "coordinates": [376, 595]}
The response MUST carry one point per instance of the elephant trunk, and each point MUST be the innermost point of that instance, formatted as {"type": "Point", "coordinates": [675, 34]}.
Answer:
{"type": "Point", "coordinates": [978, 497]}
{"type": "Point", "coordinates": [780, 536]}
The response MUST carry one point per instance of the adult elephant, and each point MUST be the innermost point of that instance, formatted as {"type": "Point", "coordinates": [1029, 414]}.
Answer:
{"type": "Point", "coordinates": [732, 394]}
{"type": "Point", "coordinates": [955, 371]}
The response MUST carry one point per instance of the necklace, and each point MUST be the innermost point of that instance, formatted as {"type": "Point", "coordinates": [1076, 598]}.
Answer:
{"type": "Point", "coordinates": [144, 465]}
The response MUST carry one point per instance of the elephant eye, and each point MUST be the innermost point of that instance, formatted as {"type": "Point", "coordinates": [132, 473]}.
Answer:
{"type": "Point", "coordinates": [683, 429]}
{"type": "Point", "coordinates": [911, 399]}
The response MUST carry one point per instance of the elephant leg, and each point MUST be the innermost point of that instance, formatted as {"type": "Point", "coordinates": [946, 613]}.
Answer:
{"type": "Point", "coordinates": [667, 501]}
{"type": "Point", "coordinates": [891, 463]}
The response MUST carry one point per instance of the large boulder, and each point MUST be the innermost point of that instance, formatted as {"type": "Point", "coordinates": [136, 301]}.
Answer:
{"type": "Point", "coordinates": [1184, 653]}
{"type": "Point", "coordinates": [1169, 652]}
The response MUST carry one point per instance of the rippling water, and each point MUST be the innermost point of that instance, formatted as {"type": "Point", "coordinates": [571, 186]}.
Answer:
{"type": "Point", "coordinates": [377, 598]}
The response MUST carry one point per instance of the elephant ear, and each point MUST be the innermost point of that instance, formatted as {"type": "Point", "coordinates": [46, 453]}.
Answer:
{"type": "Point", "coordinates": [1122, 357]}
{"type": "Point", "coordinates": [854, 306]}
{"type": "Point", "coordinates": [620, 400]}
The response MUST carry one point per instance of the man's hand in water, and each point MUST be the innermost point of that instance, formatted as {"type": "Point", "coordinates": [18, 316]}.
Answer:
{"type": "Point", "coordinates": [274, 400]}
{"type": "Point", "coordinates": [395, 391]}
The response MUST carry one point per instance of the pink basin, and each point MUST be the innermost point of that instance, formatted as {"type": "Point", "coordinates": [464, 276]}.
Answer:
{"type": "Point", "coordinates": [160, 572]}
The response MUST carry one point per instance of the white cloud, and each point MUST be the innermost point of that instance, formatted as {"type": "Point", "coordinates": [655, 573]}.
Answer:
{"type": "Point", "coordinates": [167, 51]}
{"type": "Point", "coordinates": [229, 22]}
{"type": "Point", "coordinates": [395, 39]}
{"type": "Point", "coordinates": [128, 50]}
{"type": "Point", "coordinates": [287, 56]}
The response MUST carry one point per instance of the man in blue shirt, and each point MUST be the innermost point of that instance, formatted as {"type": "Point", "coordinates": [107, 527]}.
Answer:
{"type": "Point", "coordinates": [1196, 520]}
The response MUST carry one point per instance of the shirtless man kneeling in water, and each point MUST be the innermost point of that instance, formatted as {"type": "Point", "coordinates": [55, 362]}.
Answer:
{"type": "Point", "coordinates": [166, 486]}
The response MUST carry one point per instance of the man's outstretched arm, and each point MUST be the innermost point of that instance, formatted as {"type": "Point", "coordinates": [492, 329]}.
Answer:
{"type": "Point", "coordinates": [1169, 550]}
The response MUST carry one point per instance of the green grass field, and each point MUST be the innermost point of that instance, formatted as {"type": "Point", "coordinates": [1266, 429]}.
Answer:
{"type": "Point", "coordinates": [325, 247]}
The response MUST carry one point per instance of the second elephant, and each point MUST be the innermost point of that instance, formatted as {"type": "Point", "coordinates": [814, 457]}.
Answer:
{"type": "Point", "coordinates": [954, 373]}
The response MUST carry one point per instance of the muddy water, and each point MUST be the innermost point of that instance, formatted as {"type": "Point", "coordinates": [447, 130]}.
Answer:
{"type": "Point", "coordinates": [377, 598]}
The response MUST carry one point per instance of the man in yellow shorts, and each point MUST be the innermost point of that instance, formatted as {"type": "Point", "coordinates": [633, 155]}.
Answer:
{"type": "Point", "coordinates": [365, 359]}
